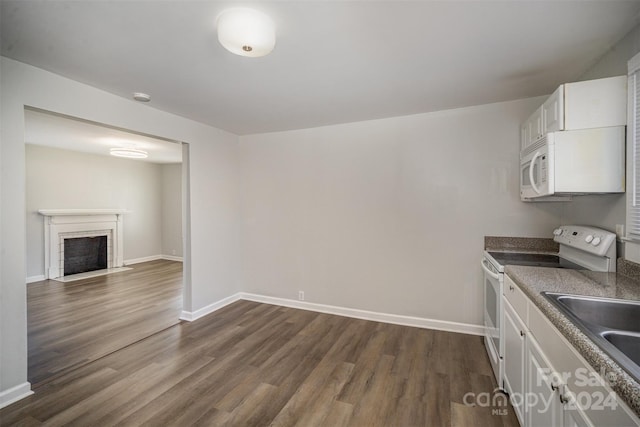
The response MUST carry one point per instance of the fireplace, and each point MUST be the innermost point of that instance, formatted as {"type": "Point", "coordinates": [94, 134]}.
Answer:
{"type": "Point", "coordinates": [80, 240]}
{"type": "Point", "coordinates": [82, 254]}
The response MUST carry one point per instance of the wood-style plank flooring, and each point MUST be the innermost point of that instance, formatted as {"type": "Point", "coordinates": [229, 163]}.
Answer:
{"type": "Point", "coordinates": [73, 323]}
{"type": "Point", "coordinates": [252, 364]}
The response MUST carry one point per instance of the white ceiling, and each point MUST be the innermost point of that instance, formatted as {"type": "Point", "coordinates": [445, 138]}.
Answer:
{"type": "Point", "coordinates": [334, 61]}
{"type": "Point", "coordinates": [51, 130]}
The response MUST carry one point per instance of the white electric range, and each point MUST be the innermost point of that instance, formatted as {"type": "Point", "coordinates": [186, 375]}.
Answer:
{"type": "Point", "coordinates": [580, 247]}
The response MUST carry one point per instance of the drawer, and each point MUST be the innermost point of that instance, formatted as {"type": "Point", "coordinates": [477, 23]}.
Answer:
{"type": "Point", "coordinates": [516, 298]}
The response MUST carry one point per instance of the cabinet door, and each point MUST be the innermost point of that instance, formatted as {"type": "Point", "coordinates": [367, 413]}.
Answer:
{"type": "Point", "coordinates": [525, 135]}
{"type": "Point", "coordinates": [543, 404]}
{"type": "Point", "coordinates": [531, 130]}
{"type": "Point", "coordinates": [536, 125]}
{"type": "Point", "coordinates": [553, 111]}
{"type": "Point", "coordinates": [596, 103]}
{"type": "Point", "coordinates": [572, 415]}
{"type": "Point", "coordinates": [514, 358]}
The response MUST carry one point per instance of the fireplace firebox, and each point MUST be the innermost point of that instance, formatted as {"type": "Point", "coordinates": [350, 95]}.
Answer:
{"type": "Point", "coordinates": [84, 254]}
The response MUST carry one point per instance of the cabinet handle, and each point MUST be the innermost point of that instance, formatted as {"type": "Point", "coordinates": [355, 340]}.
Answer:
{"type": "Point", "coordinates": [521, 333]}
{"type": "Point", "coordinates": [511, 288]}
{"type": "Point", "coordinates": [562, 395]}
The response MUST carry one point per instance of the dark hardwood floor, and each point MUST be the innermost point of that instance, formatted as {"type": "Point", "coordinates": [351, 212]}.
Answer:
{"type": "Point", "coordinates": [73, 323]}
{"type": "Point", "coordinates": [251, 364]}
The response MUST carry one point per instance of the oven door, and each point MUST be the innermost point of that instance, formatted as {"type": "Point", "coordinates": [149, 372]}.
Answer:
{"type": "Point", "coordinates": [493, 317]}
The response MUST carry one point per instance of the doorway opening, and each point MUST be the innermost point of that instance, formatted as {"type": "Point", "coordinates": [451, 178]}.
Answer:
{"type": "Point", "coordinates": [71, 171]}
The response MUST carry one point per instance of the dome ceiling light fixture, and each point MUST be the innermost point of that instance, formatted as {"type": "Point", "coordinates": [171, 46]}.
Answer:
{"type": "Point", "coordinates": [141, 97]}
{"type": "Point", "coordinates": [129, 153]}
{"type": "Point", "coordinates": [246, 32]}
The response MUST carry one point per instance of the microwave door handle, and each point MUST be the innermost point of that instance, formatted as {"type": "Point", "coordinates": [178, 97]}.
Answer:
{"type": "Point", "coordinates": [533, 163]}
{"type": "Point", "coordinates": [489, 272]}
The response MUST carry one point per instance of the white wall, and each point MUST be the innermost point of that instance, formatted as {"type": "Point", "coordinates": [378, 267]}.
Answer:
{"type": "Point", "coordinates": [614, 62]}
{"type": "Point", "coordinates": [213, 182]}
{"type": "Point", "coordinates": [62, 179]}
{"type": "Point", "coordinates": [172, 210]}
{"type": "Point", "coordinates": [607, 210]}
{"type": "Point", "coordinates": [386, 215]}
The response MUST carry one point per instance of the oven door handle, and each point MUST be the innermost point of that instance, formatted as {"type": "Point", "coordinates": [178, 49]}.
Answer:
{"type": "Point", "coordinates": [531, 168]}
{"type": "Point", "coordinates": [489, 272]}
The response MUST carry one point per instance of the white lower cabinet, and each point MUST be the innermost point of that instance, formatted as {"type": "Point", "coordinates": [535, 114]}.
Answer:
{"type": "Point", "coordinates": [574, 417]}
{"type": "Point", "coordinates": [514, 359]}
{"type": "Point", "coordinates": [544, 407]}
{"type": "Point", "coordinates": [549, 383]}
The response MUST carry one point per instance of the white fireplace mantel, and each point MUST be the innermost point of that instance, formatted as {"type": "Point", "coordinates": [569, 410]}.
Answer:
{"type": "Point", "coordinates": [65, 223]}
{"type": "Point", "coordinates": [83, 212]}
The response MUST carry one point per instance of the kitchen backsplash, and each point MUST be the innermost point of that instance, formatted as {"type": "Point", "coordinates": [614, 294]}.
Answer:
{"type": "Point", "coordinates": [628, 268]}
{"type": "Point", "coordinates": [527, 244]}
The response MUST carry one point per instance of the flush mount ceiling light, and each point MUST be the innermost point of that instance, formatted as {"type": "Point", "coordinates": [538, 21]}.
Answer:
{"type": "Point", "coordinates": [246, 32]}
{"type": "Point", "coordinates": [141, 97]}
{"type": "Point", "coordinates": [130, 153]}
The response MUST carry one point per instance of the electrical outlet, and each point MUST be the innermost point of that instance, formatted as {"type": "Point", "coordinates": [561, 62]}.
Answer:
{"type": "Point", "coordinates": [301, 295]}
{"type": "Point", "coordinates": [620, 230]}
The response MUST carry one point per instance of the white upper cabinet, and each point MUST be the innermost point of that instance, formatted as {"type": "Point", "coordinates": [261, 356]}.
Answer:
{"type": "Point", "coordinates": [532, 129]}
{"type": "Point", "coordinates": [581, 105]}
{"type": "Point", "coordinates": [595, 103]}
{"type": "Point", "coordinates": [553, 111]}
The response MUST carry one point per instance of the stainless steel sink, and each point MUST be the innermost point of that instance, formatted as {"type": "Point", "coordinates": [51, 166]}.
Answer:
{"type": "Point", "coordinates": [629, 344]}
{"type": "Point", "coordinates": [613, 324]}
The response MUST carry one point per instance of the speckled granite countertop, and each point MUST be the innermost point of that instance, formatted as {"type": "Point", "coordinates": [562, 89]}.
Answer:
{"type": "Point", "coordinates": [520, 244]}
{"type": "Point", "coordinates": [533, 280]}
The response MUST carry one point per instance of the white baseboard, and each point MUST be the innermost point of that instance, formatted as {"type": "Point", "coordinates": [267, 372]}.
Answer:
{"type": "Point", "coordinates": [171, 258]}
{"type": "Point", "coordinates": [143, 259]}
{"type": "Point", "coordinates": [191, 316]}
{"type": "Point", "coordinates": [396, 319]}
{"type": "Point", "coordinates": [12, 395]}
{"type": "Point", "coordinates": [38, 278]}
{"type": "Point", "coordinates": [151, 258]}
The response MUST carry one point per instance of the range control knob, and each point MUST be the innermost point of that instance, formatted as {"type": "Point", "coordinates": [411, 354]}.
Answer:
{"type": "Point", "coordinates": [557, 231]}
{"type": "Point", "coordinates": [588, 239]}
{"type": "Point", "coordinates": [596, 241]}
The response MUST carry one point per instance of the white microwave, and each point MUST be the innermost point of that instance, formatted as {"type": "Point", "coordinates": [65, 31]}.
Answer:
{"type": "Point", "coordinates": [587, 161]}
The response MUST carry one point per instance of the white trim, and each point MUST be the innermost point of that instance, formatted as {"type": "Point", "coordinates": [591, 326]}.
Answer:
{"type": "Point", "coordinates": [195, 315]}
{"type": "Point", "coordinates": [83, 212]}
{"type": "Point", "coordinates": [143, 259]}
{"type": "Point", "coordinates": [14, 394]}
{"type": "Point", "coordinates": [171, 258]}
{"type": "Point", "coordinates": [396, 319]}
{"type": "Point", "coordinates": [68, 223]}
{"type": "Point", "coordinates": [38, 278]}
{"type": "Point", "coordinates": [633, 64]}
{"type": "Point", "coordinates": [152, 258]}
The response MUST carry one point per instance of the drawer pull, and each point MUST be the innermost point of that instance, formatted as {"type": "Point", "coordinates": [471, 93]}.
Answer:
{"type": "Point", "coordinates": [511, 288]}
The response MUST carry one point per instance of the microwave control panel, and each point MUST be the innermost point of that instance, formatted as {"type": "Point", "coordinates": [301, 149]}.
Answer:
{"type": "Point", "coordinates": [543, 168]}
{"type": "Point", "coordinates": [589, 239]}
